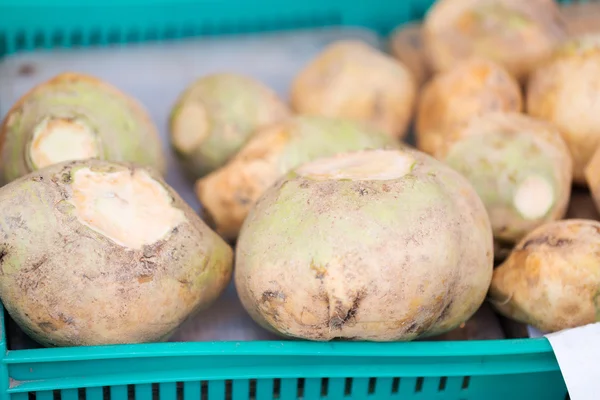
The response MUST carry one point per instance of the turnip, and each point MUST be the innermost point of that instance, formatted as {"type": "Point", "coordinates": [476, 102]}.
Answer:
{"type": "Point", "coordinates": [214, 117]}
{"type": "Point", "coordinates": [375, 245]}
{"type": "Point", "coordinates": [563, 92]}
{"type": "Point", "coordinates": [74, 117]}
{"type": "Point", "coordinates": [353, 80]}
{"type": "Point", "coordinates": [516, 34]}
{"type": "Point", "coordinates": [551, 280]}
{"type": "Point", "coordinates": [93, 252]}
{"type": "Point", "coordinates": [520, 167]}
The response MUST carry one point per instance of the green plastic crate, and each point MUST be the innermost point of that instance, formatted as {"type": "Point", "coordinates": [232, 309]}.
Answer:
{"type": "Point", "coordinates": [495, 370]}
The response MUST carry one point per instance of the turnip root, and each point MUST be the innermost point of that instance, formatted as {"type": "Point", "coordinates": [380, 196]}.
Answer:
{"type": "Point", "coordinates": [353, 80]}
{"type": "Point", "coordinates": [94, 252]}
{"type": "Point", "coordinates": [520, 167]}
{"type": "Point", "coordinates": [473, 87]}
{"type": "Point", "coordinates": [564, 92]}
{"type": "Point", "coordinates": [406, 45]}
{"type": "Point", "coordinates": [74, 117]}
{"type": "Point", "coordinates": [551, 280]}
{"type": "Point", "coordinates": [215, 116]}
{"type": "Point", "coordinates": [375, 245]}
{"type": "Point", "coordinates": [516, 34]}
{"type": "Point", "coordinates": [230, 192]}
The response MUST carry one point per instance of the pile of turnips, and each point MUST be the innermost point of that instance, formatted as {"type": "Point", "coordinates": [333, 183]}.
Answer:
{"type": "Point", "coordinates": [329, 223]}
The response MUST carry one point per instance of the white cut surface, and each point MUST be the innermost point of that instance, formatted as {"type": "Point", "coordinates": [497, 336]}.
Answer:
{"type": "Point", "coordinates": [534, 197]}
{"type": "Point", "coordinates": [376, 165]}
{"type": "Point", "coordinates": [132, 210]}
{"type": "Point", "coordinates": [56, 140]}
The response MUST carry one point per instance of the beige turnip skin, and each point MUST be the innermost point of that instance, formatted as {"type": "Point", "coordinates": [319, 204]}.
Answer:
{"type": "Point", "coordinates": [90, 269]}
{"type": "Point", "coordinates": [215, 116]}
{"type": "Point", "coordinates": [451, 99]}
{"type": "Point", "coordinates": [229, 193]}
{"type": "Point", "coordinates": [520, 167]}
{"type": "Point", "coordinates": [564, 92]}
{"type": "Point", "coordinates": [517, 34]}
{"type": "Point", "coordinates": [551, 280]}
{"type": "Point", "coordinates": [406, 45]}
{"type": "Point", "coordinates": [118, 126]}
{"type": "Point", "coordinates": [364, 252]}
{"type": "Point", "coordinates": [352, 80]}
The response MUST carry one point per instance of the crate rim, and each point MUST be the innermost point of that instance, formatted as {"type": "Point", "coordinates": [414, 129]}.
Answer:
{"type": "Point", "coordinates": [499, 347]}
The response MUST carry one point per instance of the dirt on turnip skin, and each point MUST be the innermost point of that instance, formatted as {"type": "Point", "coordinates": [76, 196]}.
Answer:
{"type": "Point", "coordinates": [94, 252]}
{"type": "Point", "coordinates": [376, 245]}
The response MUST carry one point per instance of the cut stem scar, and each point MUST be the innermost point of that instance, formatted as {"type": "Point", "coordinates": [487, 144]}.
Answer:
{"type": "Point", "coordinates": [132, 210]}
{"type": "Point", "coordinates": [59, 139]}
{"type": "Point", "coordinates": [360, 166]}
{"type": "Point", "coordinates": [534, 197]}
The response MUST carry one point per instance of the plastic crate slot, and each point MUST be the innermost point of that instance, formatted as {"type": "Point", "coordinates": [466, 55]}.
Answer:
{"type": "Point", "coordinates": [276, 388]}
{"type": "Point", "coordinates": [324, 387]}
{"type": "Point", "coordinates": [95, 36]}
{"type": "Point", "coordinates": [348, 387]}
{"type": "Point", "coordinates": [20, 41]}
{"type": "Point", "coordinates": [228, 389]}
{"type": "Point", "coordinates": [155, 393]}
{"type": "Point", "coordinates": [171, 32]}
{"type": "Point", "coordinates": [179, 390]}
{"type": "Point", "coordinates": [442, 385]}
{"type": "Point", "coordinates": [372, 385]}
{"type": "Point", "coordinates": [58, 39]}
{"type": "Point", "coordinates": [152, 34]}
{"type": "Point", "coordinates": [252, 388]}
{"type": "Point", "coordinates": [76, 38]}
{"type": "Point", "coordinates": [300, 388]}
{"type": "Point", "coordinates": [114, 36]}
{"type": "Point", "coordinates": [82, 394]}
{"type": "Point", "coordinates": [419, 385]}
{"type": "Point", "coordinates": [465, 383]}
{"type": "Point", "coordinates": [395, 385]}
{"type": "Point", "coordinates": [204, 390]}
{"type": "Point", "coordinates": [3, 43]}
{"type": "Point", "coordinates": [130, 392]}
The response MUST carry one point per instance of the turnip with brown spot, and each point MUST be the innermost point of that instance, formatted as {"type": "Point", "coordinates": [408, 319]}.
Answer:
{"type": "Point", "coordinates": [75, 116]}
{"type": "Point", "coordinates": [95, 252]}
{"type": "Point", "coordinates": [551, 280]}
{"type": "Point", "coordinates": [215, 116]}
{"type": "Point", "coordinates": [376, 245]}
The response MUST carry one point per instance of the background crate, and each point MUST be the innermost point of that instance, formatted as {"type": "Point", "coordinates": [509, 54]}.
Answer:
{"type": "Point", "coordinates": [515, 369]}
